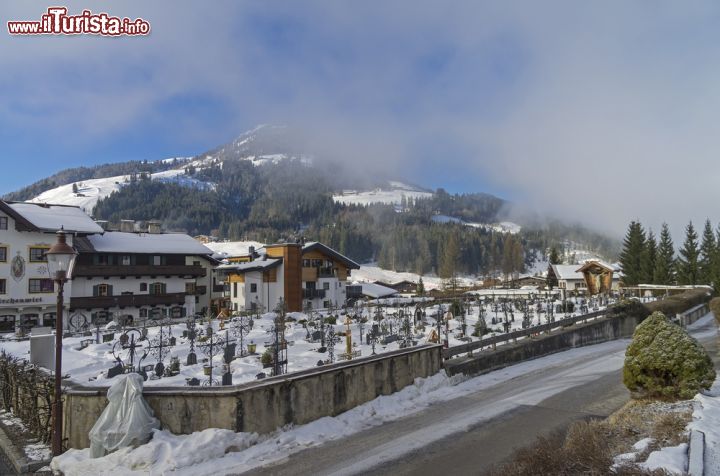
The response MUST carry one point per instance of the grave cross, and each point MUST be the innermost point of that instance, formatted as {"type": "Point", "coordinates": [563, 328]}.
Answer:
{"type": "Point", "coordinates": [213, 346]}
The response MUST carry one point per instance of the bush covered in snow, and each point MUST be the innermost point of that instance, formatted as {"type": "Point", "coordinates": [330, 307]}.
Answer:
{"type": "Point", "coordinates": [663, 361]}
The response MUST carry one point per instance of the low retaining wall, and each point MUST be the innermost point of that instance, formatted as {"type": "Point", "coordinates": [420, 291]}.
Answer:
{"type": "Point", "coordinates": [263, 406]}
{"type": "Point", "coordinates": [578, 335]}
{"type": "Point", "coordinates": [686, 318]}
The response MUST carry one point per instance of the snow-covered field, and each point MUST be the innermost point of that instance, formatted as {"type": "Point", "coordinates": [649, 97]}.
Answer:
{"type": "Point", "coordinates": [501, 227]}
{"type": "Point", "coordinates": [393, 195]}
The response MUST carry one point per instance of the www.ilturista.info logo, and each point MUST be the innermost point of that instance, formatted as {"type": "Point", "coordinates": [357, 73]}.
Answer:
{"type": "Point", "coordinates": [57, 22]}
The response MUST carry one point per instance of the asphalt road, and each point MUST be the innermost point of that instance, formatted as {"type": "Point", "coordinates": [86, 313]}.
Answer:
{"type": "Point", "coordinates": [469, 434]}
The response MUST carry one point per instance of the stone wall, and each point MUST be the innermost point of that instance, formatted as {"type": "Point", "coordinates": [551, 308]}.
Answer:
{"type": "Point", "coordinates": [266, 405]}
{"type": "Point", "coordinates": [578, 335]}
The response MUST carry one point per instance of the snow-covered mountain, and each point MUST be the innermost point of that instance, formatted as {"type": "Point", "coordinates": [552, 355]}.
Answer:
{"type": "Point", "coordinates": [86, 193]}
{"type": "Point", "coordinates": [265, 144]}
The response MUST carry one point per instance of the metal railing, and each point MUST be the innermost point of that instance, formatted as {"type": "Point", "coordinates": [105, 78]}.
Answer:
{"type": "Point", "coordinates": [512, 336]}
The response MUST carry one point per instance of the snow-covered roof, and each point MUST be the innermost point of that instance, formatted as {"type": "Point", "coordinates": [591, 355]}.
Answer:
{"type": "Point", "coordinates": [53, 217]}
{"type": "Point", "coordinates": [230, 249]}
{"type": "Point", "coordinates": [375, 290]}
{"type": "Point", "coordinates": [257, 265]}
{"type": "Point", "coordinates": [169, 243]}
{"type": "Point", "coordinates": [567, 271]}
{"type": "Point", "coordinates": [315, 245]}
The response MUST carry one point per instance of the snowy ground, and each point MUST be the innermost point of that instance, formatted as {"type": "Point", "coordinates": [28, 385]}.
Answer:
{"type": "Point", "coordinates": [34, 451]}
{"type": "Point", "coordinates": [393, 195]}
{"type": "Point", "coordinates": [89, 366]}
{"type": "Point", "coordinates": [220, 452]}
{"type": "Point", "coordinates": [92, 190]}
{"type": "Point", "coordinates": [371, 272]}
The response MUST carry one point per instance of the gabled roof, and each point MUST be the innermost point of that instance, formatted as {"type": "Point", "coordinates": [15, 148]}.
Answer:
{"type": "Point", "coordinates": [121, 242]}
{"type": "Point", "coordinates": [49, 218]}
{"type": "Point", "coordinates": [316, 246]}
{"type": "Point", "coordinates": [566, 271]}
{"type": "Point", "coordinates": [590, 263]}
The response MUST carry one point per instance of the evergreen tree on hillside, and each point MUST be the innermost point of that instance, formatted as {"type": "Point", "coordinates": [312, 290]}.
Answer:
{"type": "Point", "coordinates": [708, 253]}
{"type": "Point", "coordinates": [420, 287]}
{"type": "Point", "coordinates": [630, 257]}
{"type": "Point", "coordinates": [648, 258]}
{"type": "Point", "coordinates": [449, 262]}
{"type": "Point", "coordinates": [554, 256]}
{"type": "Point", "coordinates": [688, 266]}
{"type": "Point", "coordinates": [665, 258]}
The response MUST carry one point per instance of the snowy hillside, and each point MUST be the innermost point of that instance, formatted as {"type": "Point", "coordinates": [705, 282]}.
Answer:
{"type": "Point", "coordinates": [90, 191]}
{"type": "Point", "coordinates": [391, 195]}
{"type": "Point", "coordinates": [265, 144]}
{"type": "Point", "coordinates": [501, 227]}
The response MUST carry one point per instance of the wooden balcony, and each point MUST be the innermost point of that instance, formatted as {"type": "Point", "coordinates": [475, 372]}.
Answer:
{"type": "Point", "coordinates": [91, 271]}
{"type": "Point", "coordinates": [127, 300]}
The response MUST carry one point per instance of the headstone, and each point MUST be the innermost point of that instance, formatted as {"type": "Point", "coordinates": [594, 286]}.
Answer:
{"type": "Point", "coordinates": [115, 371]}
{"type": "Point", "coordinates": [42, 347]}
{"type": "Point", "coordinates": [191, 359]}
{"type": "Point", "coordinates": [193, 382]}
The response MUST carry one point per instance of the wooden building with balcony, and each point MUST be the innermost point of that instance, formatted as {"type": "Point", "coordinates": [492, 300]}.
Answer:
{"type": "Point", "coordinates": [140, 276]}
{"type": "Point", "coordinates": [299, 275]}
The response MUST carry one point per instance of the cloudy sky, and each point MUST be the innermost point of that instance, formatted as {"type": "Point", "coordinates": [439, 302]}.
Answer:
{"type": "Point", "coordinates": [602, 111]}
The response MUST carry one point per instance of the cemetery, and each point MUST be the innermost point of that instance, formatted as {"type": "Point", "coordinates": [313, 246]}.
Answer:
{"type": "Point", "coordinates": [206, 351]}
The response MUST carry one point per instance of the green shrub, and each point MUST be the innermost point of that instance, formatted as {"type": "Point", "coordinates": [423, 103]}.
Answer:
{"type": "Point", "coordinates": [678, 303]}
{"type": "Point", "coordinates": [663, 361]}
{"type": "Point", "coordinates": [628, 307]}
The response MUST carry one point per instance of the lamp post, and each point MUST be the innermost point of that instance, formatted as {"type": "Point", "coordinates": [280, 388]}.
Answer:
{"type": "Point", "coordinates": [60, 258]}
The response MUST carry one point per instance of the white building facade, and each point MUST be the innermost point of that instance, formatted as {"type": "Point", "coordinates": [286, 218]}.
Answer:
{"type": "Point", "coordinates": [138, 276]}
{"type": "Point", "coordinates": [27, 230]}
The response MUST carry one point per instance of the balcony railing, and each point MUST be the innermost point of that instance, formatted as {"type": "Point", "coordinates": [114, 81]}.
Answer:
{"type": "Point", "coordinates": [326, 273]}
{"type": "Point", "coordinates": [139, 270]}
{"type": "Point", "coordinates": [313, 293]}
{"type": "Point", "coordinates": [127, 300]}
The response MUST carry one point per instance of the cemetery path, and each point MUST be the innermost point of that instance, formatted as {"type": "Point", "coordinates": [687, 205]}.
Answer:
{"type": "Point", "coordinates": [469, 434]}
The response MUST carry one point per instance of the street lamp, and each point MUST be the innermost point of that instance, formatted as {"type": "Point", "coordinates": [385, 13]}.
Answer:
{"type": "Point", "coordinates": [60, 258]}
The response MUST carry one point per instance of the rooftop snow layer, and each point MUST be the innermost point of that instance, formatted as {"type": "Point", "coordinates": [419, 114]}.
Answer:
{"type": "Point", "coordinates": [172, 243]}
{"type": "Point", "coordinates": [375, 290]}
{"type": "Point", "coordinates": [54, 217]}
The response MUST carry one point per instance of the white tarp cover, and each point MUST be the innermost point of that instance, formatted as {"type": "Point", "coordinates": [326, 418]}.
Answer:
{"type": "Point", "coordinates": [127, 420]}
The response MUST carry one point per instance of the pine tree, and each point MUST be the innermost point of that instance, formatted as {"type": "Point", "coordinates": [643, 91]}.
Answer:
{"type": "Point", "coordinates": [554, 256]}
{"type": "Point", "coordinates": [665, 258]}
{"type": "Point", "coordinates": [648, 258]}
{"type": "Point", "coordinates": [687, 265]}
{"type": "Point", "coordinates": [420, 287]}
{"type": "Point", "coordinates": [630, 257]}
{"type": "Point", "coordinates": [708, 252]}
{"type": "Point", "coordinates": [449, 262]}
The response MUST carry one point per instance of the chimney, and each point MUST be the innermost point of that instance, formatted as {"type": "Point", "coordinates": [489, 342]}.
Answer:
{"type": "Point", "coordinates": [103, 224]}
{"type": "Point", "coordinates": [127, 226]}
{"type": "Point", "coordinates": [154, 227]}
